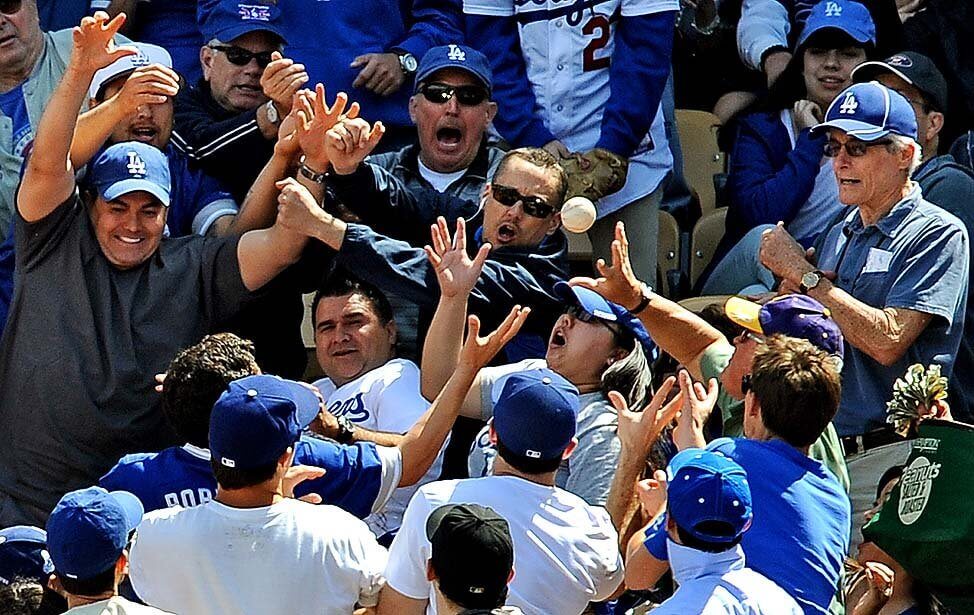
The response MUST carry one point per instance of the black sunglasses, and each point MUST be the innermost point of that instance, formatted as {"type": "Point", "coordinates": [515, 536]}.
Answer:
{"type": "Point", "coordinates": [746, 384]}
{"type": "Point", "coordinates": [441, 93]}
{"type": "Point", "coordinates": [242, 57]}
{"type": "Point", "coordinates": [509, 197]}
{"type": "Point", "coordinates": [576, 312]}
{"type": "Point", "coordinates": [9, 7]}
{"type": "Point", "coordinates": [854, 148]}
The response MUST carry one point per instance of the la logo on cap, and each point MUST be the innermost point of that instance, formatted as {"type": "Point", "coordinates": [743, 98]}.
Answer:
{"type": "Point", "coordinates": [136, 165]}
{"type": "Point", "coordinates": [849, 104]}
{"type": "Point", "coordinates": [456, 54]}
{"type": "Point", "coordinates": [900, 60]}
{"type": "Point", "coordinates": [832, 9]}
{"type": "Point", "coordinates": [257, 12]}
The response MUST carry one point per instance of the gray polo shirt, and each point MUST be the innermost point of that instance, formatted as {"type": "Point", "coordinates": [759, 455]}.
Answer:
{"type": "Point", "coordinates": [82, 345]}
{"type": "Point", "coordinates": [916, 257]}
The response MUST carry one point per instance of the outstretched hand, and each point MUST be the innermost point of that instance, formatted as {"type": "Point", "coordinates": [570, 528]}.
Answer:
{"type": "Point", "coordinates": [698, 405]}
{"type": "Point", "coordinates": [316, 119]}
{"type": "Point", "coordinates": [295, 475]}
{"type": "Point", "coordinates": [455, 271]}
{"type": "Point", "coordinates": [652, 495]}
{"type": "Point", "coordinates": [478, 351]}
{"type": "Point", "coordinates": [618, 282]}
{"type": "Point", "coordinates": [350, 141]}
{"type": "Point", "coordinates": [94, 42]}
{"type": "Point", "coordinates": [638, 430]}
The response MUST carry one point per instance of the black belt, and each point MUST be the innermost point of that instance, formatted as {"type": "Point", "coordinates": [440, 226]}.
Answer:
{"type": "Point", "coordinates": [854, 445]}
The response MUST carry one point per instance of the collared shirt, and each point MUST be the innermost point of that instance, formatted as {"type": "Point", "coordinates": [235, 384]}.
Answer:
{"type": "Point", "coordinates": [915, 257]}
{"type": "Point", "coordinates": [719, 584]}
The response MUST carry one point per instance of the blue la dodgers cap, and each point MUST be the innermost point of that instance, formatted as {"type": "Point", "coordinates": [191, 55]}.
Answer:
{"type": "Point", "coordinates": [706, 486]}
{"type": "Point", "coordinates": [23, 553]}
{"type": "Point", "coordinates": [258, 417]}
{"type": "Point", "coordinates": [535, 414]}
{"type": "Point", "coordinates": [456, 56]}
{"type": "Point", "coordinates": [129, 167]}
{"type": "Point", "coordinates": [89, 528]}
{"type": "Point", "coordinates": [792, 315]}
{"type": "Point", "coordinates": [227, 20]}
{"type": "Point", "coordinates": [847, 16]}
{"type": "Point", "coordinates": [598, 306]}
{"type": "Point", "coordinates": [870, 111]}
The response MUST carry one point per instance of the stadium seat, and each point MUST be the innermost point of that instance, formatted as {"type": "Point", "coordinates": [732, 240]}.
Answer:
{"type": "Point", "coordinates": [707, 233]}
{"type": "Point", "coordinates": [697, 304]}
{"type": "Point", "coordinates": [702, 158]}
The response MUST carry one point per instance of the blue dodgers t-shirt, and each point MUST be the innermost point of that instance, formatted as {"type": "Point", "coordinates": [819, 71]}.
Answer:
{"type": "Point", "coordinates": [181, 475]}
{"type": "Point", "coordinates": [13, 106]}
{"type": "Point", "coordinates": [197, 198]}
{"type": "Point", "coordinates": [802, 518]}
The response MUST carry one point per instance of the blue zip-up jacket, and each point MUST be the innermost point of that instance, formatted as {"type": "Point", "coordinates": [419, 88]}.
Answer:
{"type": "Point", "coordinates": [327, 36]}
{"type": "Point", "coordinates": [637, 76]}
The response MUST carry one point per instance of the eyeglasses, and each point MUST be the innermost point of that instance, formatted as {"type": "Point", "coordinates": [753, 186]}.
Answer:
{"type": "Point", "coordinates": [854, 148]}
{"type": "Point", "coordinates": [441, 93]}
{"type": "Point", "coordinates": [576, 312]}
{"type": "Point", "coordinates": [9, 7]}
{"type": "Point", "coordinates": [509, 197]}
{"type": "Point", "coordinates": [746, 384]}
{"type": "Point", "coordinates": [241, 57]}
{"type": "Point", "coordinates": [745, 335]}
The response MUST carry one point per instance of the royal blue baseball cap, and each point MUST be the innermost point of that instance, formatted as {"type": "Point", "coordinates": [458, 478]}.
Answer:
{"type": "Point", "coordinates": [129, 167]}
{"type": "Point", "coordinates": [227, 20]}
{"type": "Point", "coordinates": [23, 553]}
{"type": "Point", "coordinates": [706, 487]}
{"type": "Point", "coordinates": [846, 16]}
{"type": "Point", "coordinates": [456, 56]}
{"type": "Point", "coordinates": [596, 305]}
{"type": "Point", "coordinates": [792, 315]}
{"type": "Point", "coordinates": [535, 414]}
{"type": "Point", "coordinates": [870, 111]}
{"type": "Point", "coordinates": [258, 417]}
{"type": "Point", "coordinates": [89, 528]}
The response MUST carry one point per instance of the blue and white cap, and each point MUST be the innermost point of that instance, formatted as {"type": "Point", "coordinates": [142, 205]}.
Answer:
{"type": "Point", "coordinates": [708, 495]}
{"type": "Point", "coordinates": [229, 19]}
{"type": "Point", "coordinates": [846, 16]}
{"type": "Point", "coordinates": [600, 307]}
{"type": "Point", "coordinates": [131, 166]}
{"type": "Point", "coordinates": [536, 413]}
{"type": "Point", "coordinates": [23, 553]}
{"type": "Point", "coordinates": [124, 66]}
{"type": "Point", "coordinates": [459, 57]}
{"type": "Point", "coordinates": [870, 111]}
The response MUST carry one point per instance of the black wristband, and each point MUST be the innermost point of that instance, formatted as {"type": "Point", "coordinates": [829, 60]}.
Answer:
{"type": "Point", "coordinates": [346, 430]}
{"type": "Point", "coordinates": [647, 296]}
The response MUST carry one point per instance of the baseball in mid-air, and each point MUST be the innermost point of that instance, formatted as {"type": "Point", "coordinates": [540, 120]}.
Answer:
{"type": "Point", "coordinates": [578, 214]}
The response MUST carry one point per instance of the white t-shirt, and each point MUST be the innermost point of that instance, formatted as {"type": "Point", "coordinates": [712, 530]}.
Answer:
{"type": "Point", "coordinates": [388, 398]}
{"type": "Point", "coordinates": [439, 181]}
{"type": "Point", "coordinates": [566, 553]}
{"type": "Point", "coordinates": [290, 557]}
{"type": "Point", "coordinates": [116, 605]}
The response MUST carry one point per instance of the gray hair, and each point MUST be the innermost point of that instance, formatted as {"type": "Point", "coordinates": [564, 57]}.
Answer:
{"type": "Point", "coordinates": [630, 376]}
{"type": "Point", "coordinates": [899, 143]}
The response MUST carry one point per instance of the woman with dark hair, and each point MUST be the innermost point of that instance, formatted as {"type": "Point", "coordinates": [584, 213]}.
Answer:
{"type": "Point", "coordinates": [778, 169]}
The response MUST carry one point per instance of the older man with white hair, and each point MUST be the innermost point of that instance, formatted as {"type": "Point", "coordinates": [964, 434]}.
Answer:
{"type": "Point", "coordinates": [893, 271]}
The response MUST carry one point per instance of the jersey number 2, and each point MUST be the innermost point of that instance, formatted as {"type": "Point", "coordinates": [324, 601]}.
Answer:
{"type": "Point", "coordinates": [589, 61]}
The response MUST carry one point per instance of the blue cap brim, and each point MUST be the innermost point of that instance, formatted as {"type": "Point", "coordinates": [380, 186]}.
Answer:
{"type": "Point", "coordinates": [307, 404]}
{"type": "Point", "coordinates": [131, 506]}
{"type": "Point", "coordinates": [854, 128]}
{"type": "Point", "coordinates": [227, 35]}
{"type": "Point", "coordinates": [589, 300]}
{"type": "Point", "coordinates": [128, 186]}
{"type": "Point", "coordinates": [860, 37]}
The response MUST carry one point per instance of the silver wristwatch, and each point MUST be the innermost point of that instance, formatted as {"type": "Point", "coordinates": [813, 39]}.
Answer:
{"type": "Point", "coordinates": [272, 115]}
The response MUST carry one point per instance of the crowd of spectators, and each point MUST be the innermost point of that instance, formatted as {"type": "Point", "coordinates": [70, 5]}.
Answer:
{"type": "Point", "coordinates": [491, 419]}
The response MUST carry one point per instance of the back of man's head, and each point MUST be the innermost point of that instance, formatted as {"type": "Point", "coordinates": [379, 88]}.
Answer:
{"type": "Point", "coordinates": [198, 376]}
{"type": "Point", "coordinates": [472, 555]}
{"type": "Point", "coordinates": [534, 420]}
{"type": "Point", "coordinates": [798, 388]}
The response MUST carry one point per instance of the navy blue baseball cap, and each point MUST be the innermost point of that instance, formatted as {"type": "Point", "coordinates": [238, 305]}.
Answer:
{"type": "Point", "coordinates": [708, 495]}
{"type": "Point", "coordinates": [89, 528]}
{"type": "Point", "coordinates": [456, 56]}
{"type": "Point", "coordinates": [23, 553]}
{"type": "Point", "coordinates": [535, 414]}
{"type": "Point", "coordinates": [129, 167]}
{"type": "Point", "coordinates": [846, 16]}
{"type": "Point", "coordinates": [596, 305]}
{"type": "Point", "coordinates": [870, 111]}
{"type": "Point", "coordinates": [228, 20]}
{"type": "Point", "coordinates": [792, 315]}
{"type": "Point", "coordinates": [258, 417]}
{"type": "Point", "coordinates": [916, 69]}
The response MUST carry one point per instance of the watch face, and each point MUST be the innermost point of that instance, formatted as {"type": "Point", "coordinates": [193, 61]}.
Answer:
{"type": "Point", "coordinates": [409, 63]}
{"type": "Point", "coordinates": [810, 279]}
{"type": "Point", "coordinates": [272, 114]}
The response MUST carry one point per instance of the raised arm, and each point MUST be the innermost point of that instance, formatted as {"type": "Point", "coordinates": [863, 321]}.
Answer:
{"type": "Point", "coordinates": [678, 331]}
{"type": "Point", "coordinates": [265, 253]}
{"type": "Point", "coordinates": [49, 175]}
{"type": "Point", "coordinates": [423, 441]}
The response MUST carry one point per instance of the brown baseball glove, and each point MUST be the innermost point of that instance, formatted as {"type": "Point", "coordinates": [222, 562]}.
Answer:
{"type": "Point", "coordinates": [595, 174]}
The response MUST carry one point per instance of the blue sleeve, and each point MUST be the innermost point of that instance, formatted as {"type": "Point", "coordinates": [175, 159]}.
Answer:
{"type": "Point", "coordinates": [637, 76]}
{"type": "Point", "coordinates": [353, 474]}
{"type": "Point", "coordinates": [7, 269]}
{"type": "Point", "coordinates": [934, 280]}
{"type": "Point", "coordinates": [433, 23]}
{"type": "Point", "coordinates": [517, 120]}
{"type": "Point", "coordinates": [211, 201]}
{"type": "Point", "coordinates": [762, 189]}
{"type": "Point", "coordinates": [655, 541]}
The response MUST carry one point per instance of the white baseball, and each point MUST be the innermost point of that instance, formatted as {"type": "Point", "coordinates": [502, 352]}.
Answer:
{"type": "Point", "coordinates": [578, 214]}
